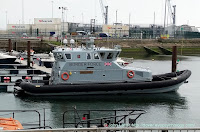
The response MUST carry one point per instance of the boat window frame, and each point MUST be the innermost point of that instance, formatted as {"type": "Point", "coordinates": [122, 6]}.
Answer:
{"type": "Point", "coordinates": [70, 56]}
{"type": "Point", "coordinates": [97, 56]}
{"type": "Point", "coordinates": [117, 54]}
{"type": "Point", "coordinates": [55, 55]}
{"type": "Point", "coordinates": [110, 54]}
{"type": "Point", "coordinates": [87, 56]}
{"type": "Point", "coordinates": [102, 56]}
{"type": "Point", "coordinates": [59, 56]}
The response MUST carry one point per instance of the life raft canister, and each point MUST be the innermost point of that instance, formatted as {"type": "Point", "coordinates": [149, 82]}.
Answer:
{"type": "Point", "coordinates": [130, 74]}
{"type": "Point", "coordinates": [62, 76]}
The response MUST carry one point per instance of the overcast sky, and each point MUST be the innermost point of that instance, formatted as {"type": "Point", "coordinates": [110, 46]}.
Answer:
{"type": "Point", "coordinates": [141, 11]}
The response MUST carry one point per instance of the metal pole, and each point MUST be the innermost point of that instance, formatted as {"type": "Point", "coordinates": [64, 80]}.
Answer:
{"type": "Point", "coordinates": [165, 15]}
{"type": "Point", "coordinates": [154, 22]}
{"type": "Point", "coordinates": [82, 18]}
{"type": "Point", "coordinates": [22, 11]}
{"type": "Point", "coordinates": [154, 19]}
{"type": "Point", "coordinates": [28, 53]}
{"type": "Point", "coordinates": [116, 26]}
{"type": "Point", "coordinates": [63, 24]}
{"type": "Point", "coordinates": [106, 15]}
{"type": "Point", "coordinates": [174, 58]}
{"type": "Point", "coordinates": [6, 19]}
{"type": "Point", "coordinates": [174, 20]}
{"type": "Point", "coordinates": [52, 9]}
{"type": "Point", "coordinates": [129, 23]}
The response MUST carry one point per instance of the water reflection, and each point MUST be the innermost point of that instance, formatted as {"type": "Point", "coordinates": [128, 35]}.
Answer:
{"type": "Point", "coordinates": [171, 99]}
{"type": "Point", "coordinates": [152, 103]}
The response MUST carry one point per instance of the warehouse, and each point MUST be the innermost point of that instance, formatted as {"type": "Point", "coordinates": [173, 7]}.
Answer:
{"type": "Point", "coordinates": [46, 26]}
{"type": "Point", "coordinates": [41, 27]}
{"type": "Point", "coordinates": [117, 30]}
{"type": "Point", "coordinates": [18, 29]}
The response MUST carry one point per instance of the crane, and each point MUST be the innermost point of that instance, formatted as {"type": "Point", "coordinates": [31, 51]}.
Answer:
{"type": "Point", "coordinates": [104, 10]}
{"type": "Point", "coordinates": [171, 13]}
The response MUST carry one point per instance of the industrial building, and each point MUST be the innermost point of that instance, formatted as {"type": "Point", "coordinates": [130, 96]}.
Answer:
{"type": "Point", "coordinates": [54, 27]}
{"type": "Point", "coordinates": [116, 30]}
{"type": "Point", "coordinates": [41, 26]}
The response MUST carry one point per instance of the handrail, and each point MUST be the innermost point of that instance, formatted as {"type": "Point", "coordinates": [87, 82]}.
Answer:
{"type": "Point", "coordinates": [13, 112]}
{"type": "Point", "coordinates": [89, 119]}
{"type": "Point", "coordinates": [107, 129]}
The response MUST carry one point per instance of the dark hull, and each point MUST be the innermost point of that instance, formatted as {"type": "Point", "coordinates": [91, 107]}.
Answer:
{"type": "Point", "coordinates": [7, 60]}
{"type": "Point", "coordinates": [160, 84]}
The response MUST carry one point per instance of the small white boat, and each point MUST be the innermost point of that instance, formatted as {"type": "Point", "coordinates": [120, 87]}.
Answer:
{"type": "Point", "coordinates": [7, 59]}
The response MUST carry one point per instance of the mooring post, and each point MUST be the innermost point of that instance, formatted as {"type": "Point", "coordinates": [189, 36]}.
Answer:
{"type": "Point", "coordinates": [9, 46]}
{"type": "Point", "coordinates": [28, 53]}
{"type": "Point", "coordinates": [174, 58]}
{"type": "Point", "coordinates": [15, 44]}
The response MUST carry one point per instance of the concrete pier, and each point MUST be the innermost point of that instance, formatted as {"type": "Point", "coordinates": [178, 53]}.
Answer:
{"type": "Point", "coordinates": [35, 66]}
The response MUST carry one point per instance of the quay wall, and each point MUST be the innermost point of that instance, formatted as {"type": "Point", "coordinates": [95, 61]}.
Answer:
{"type": "Point", "coordinates": [46, 46]}
{"type": "Point", "coordinates": [21, 45]}
{"type": "Point", "coordinates": [127, 43]}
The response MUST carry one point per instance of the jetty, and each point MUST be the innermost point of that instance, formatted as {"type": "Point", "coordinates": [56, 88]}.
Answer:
{"type": "Point", "coordinates": [14, 72]}
{"type": "Point", "coordinates": [35, 66]}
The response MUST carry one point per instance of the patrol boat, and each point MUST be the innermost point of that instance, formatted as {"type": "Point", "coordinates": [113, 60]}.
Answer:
{"type": "Point", "coordinates": [90, 70]}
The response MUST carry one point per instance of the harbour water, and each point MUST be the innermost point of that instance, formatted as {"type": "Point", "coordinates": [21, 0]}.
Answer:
{"type": "Point", "coordinates": [180, 109]}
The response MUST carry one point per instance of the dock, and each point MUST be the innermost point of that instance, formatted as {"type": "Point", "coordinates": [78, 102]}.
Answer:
{"type": "Point", "coordinates": [35, 66]}
{"type": "Point", "coordinates": [10, 73]}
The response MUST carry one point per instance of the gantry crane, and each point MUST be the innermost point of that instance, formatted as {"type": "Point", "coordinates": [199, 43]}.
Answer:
{"type": "Point", "coordinates": [104, 10]}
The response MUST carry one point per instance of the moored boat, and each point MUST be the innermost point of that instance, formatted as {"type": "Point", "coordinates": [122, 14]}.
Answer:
{"type": "Point", "coordinates": [91, 70]}
{"type": "Point", "coordinates": [7, 59]}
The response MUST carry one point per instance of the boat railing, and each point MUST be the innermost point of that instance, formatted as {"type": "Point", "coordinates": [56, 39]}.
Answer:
{"type": "Point", "coordinates": [116, 129]}
{"type": "Point", "coordinates": [22, 116]}
{"type": "Point", "coordinates": [99, 118]}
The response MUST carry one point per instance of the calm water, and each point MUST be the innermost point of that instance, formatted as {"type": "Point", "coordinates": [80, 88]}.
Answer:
{"type": "Point", "coordinates": [181, 108]}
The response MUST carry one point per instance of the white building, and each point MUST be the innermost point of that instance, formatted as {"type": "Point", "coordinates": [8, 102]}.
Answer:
{"type": "Point", "coordinates": [41, 26]}
{"type": "Point", "coordinates": [119, 30]}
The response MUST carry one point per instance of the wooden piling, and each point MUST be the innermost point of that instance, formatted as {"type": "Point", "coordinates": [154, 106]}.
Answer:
{"type": "Point", "coordinates": [174, 58]}
{"type": "Point", "coordinates": [9, 45]}
{"type": "Point", "coordinates": [28, 53]}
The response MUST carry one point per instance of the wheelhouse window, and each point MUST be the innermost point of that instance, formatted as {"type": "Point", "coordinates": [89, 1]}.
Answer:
{"type": "Point", "coordinates": [54, 54]}
{"type": "Point", "coordinates": [102, 55]}
{"type": "Point", "coordinates": [68, 56]}
{"type": "Point", "coordinates": [96, 56]}
{"type": "Point", "coordinates": [110, 56]}
{"type": "Point", "coordinates": [117, 54]}
{"type": "Point", "coordinates": [59, 56]}
{"type": "Point", "coordinates": [89, 56]}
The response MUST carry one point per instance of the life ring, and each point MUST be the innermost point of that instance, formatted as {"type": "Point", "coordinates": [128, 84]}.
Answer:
{"type": "Point", "coordinates": [62, 76]}
{"type": "Point", "coordinates": [130, 74]}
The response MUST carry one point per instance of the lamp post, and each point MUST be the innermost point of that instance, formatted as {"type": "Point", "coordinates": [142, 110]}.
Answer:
{"type": "Point", "coordinates": [62, 29]}
{"type": "Point", "coordinates": [22, 11]}
{"type": "Point", "coordinates": [6, 22]}
{"type": "Point", "coordinates": [52, 8]}
{"type": "Point", "coordinates": [6, 19]}
{"type": "Point", "coordinates": [116, 26]}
